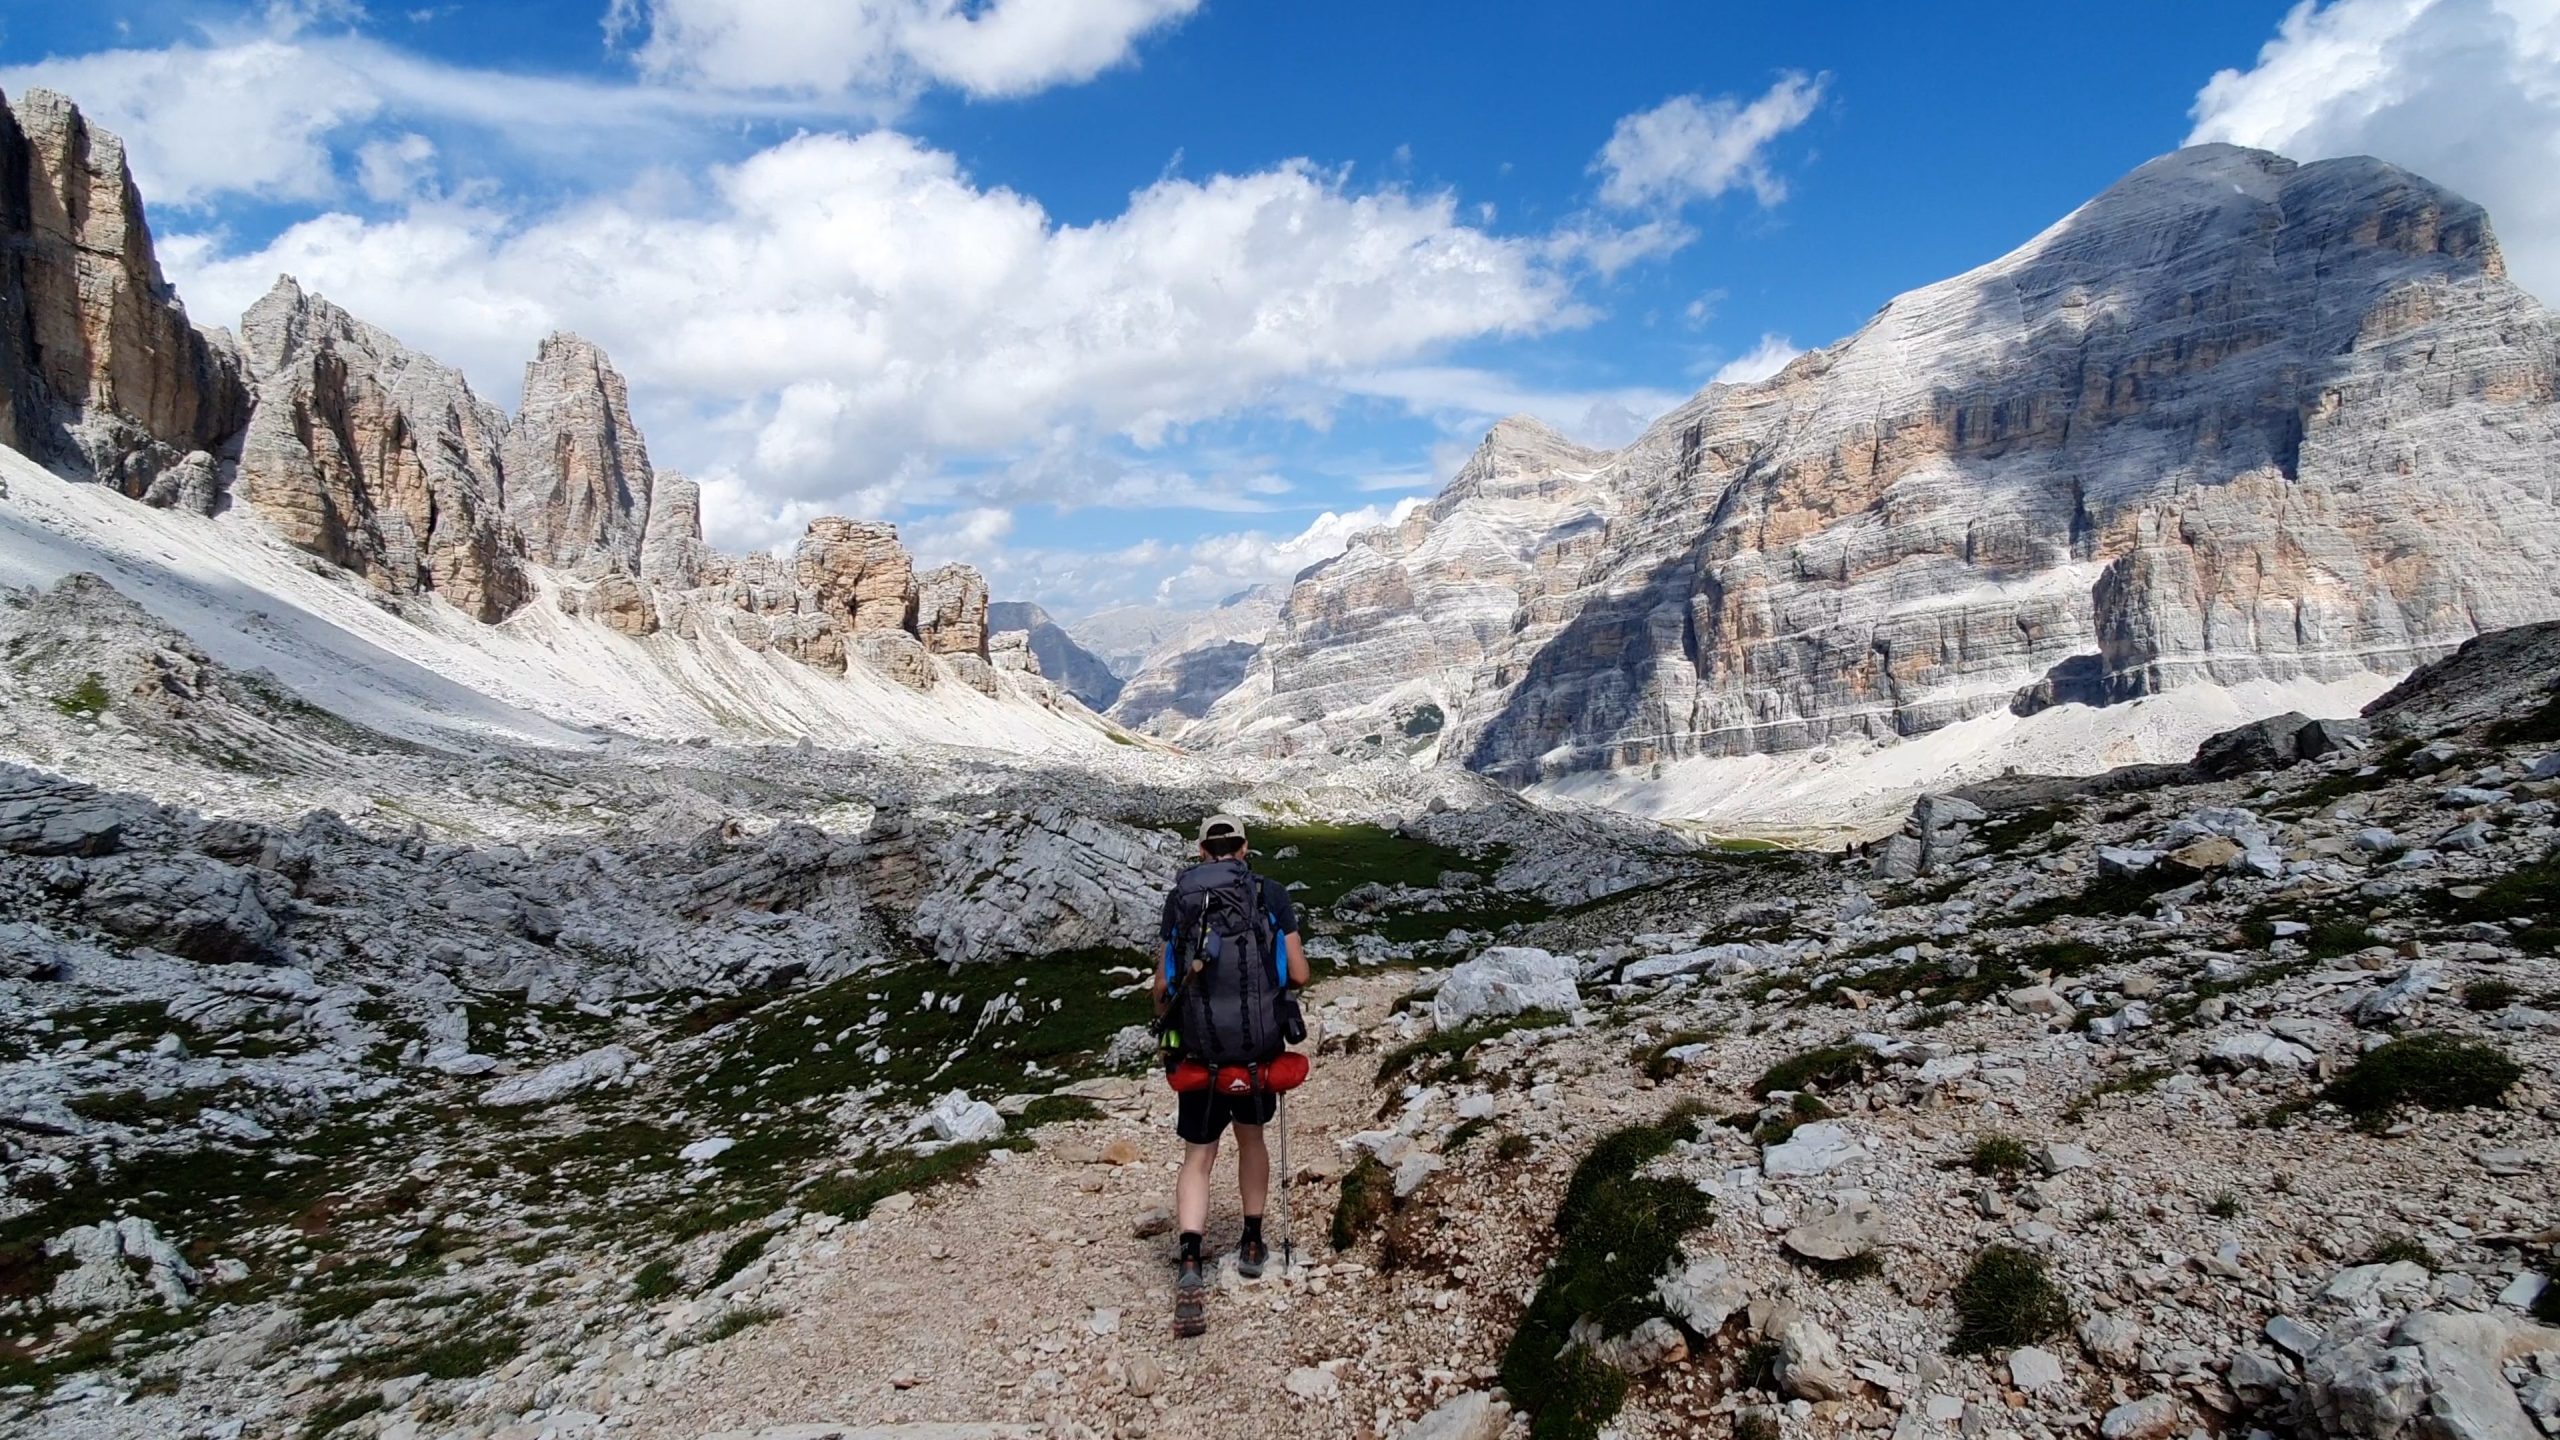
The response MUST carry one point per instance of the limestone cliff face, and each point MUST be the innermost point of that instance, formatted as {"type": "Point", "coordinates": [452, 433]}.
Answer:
{"type": "Point", "coordinates": [1199, 663]}
{"type": "Point", "coordinates": [1393, 631]}
{"type": "Point", "coordinates": [2234, 419]}
{"type": "Point", "coordinates": [376, 458]}
{"type": "Point", "coordinates": [671, 548]}
{"type": "Point", "coordinates": [578, 477]}
{"type": "Point", "coordinates": [100, 371]}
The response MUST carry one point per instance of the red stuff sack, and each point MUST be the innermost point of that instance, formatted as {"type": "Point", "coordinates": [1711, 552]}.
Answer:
{"type": "Point", "coordinates": [1188, 1076]}
{"type": "Point", "coordinates": [1285, 1071]}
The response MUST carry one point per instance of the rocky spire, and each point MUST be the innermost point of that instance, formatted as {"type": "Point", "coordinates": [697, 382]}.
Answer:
{"type": "Point", "coordinates": [671, 549]}
{"type": "Point", "coordinates": [375, 457]}
{"type": "Point", "coordinates": [100, 370]}
{"type": "Point", "coordinates": [577, 473]}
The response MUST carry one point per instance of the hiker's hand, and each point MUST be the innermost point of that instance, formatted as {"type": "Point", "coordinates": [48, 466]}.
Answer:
{"type": "Point", "coordinates": [1163, 1002]}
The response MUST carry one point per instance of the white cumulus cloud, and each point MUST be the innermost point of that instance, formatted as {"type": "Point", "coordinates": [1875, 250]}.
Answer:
{"type": "Point", "coordinates": [2464, 92]}
{"type": "Point", "coordinates": [1759, 362]}
{"type": "Point", "coordinates": [1693, 148]}
{"type": "Point", "coordinates": [995, 48]}
{"type": "Point", "coordinates": [853, 305]}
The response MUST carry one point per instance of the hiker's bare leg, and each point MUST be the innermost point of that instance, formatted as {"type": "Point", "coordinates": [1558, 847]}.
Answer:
{"type": "Point", "coordinates": [1253, 1168]}
{"type": "Point", "coordinates": [1191, 1188]}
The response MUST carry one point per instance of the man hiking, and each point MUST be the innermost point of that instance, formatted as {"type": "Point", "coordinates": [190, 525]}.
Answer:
{"type": "Point", "coordinates": [1231, 954]}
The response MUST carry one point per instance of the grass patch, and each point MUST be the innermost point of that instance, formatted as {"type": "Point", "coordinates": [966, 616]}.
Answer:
{"type": "Point", "coordinates": [742, 1252]}
{"type": "Point", "coordinates": [1865, 1265]}
{"type": "Point", "coordinates": [2103, 895]}
{"type": "Point", "coordinates": [133, 1109]}
{"type": "Point", "coordinates": [2433, 1071]}
{"type": "Point", "coordinates": [1465, 1131]}
{"type": "Point", "coordinates": [1057, 1110]}
{"type": "Point", "coordinates": [2007, 1299]}
{"type": "Point", "coordinates": [2528, 893]}
{"type": "Point", "coordinates": [87, 697]}
{"type": "Point", "coordinates": [2225, 1205]}
{"type": "Point", "coordinates": [2133, 1082]}
{"type": "Point", "coordinates": [2490, 994]}
{"type": "Point", "coordinates": [1998, 1155]}
{"type": "Point", "coordinates": [1512, 1147]}
{"type": "Point", "coordinates": [1442, 1055]}
{"type": "Point", "coordinates": [656, 1281]}
{"type": "Point", "coordinates": [338, 1414]}
{"type": "Point", "coordinates": [744, 1317]}
{"type": "Point", "coordinates": [1368, 1193]}
{"type": "Point", "coordinates": [852, 1197]}
{"type": "Point", "coordinates": [1617, 1230]}
{"type": "Point", "coordinates": [1824, 1069]}
{"type": "Point", "coordinates": [2399, 1249]}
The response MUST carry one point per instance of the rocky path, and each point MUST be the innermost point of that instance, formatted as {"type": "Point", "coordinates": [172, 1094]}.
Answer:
{"type": "Point", "coordinates": [1029, 1297]}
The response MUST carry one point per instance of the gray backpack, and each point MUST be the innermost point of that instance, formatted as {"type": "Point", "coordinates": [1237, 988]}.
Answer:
{"type": "Point", "coordinates": [1228, 984]}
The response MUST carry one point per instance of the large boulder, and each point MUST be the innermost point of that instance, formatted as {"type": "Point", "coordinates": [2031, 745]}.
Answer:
{"type": "Point", "coordinates": [1505, 980]}
{"type": "Point", "coordinates": [2435, 1375]}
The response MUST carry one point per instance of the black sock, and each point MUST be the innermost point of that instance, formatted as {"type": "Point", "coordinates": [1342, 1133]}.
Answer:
{"type": "Point", "coordinates": [1190, 1244]}
{"type": "Point", "coordinates": [1252, 1228]}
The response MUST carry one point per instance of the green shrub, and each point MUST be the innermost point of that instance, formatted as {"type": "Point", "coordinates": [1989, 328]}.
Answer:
{"type": "Point", "coordinates": [1512, 1147]}
{"type": "Point", "coordinates": [1057, 1110]}
{"type": "Point", "coordinates": [2490, 994]}
{"type": "Point", "coordinates": [1756, 1426]}
{"type": "Point", "coordinates": [851, 1197]}
{"type": "Point", "coordinates": [88, 697]}
{"type": "Point", "coordinates": [1368, 1193]}
{"type": "Point", "coordinates": [1826, 1068]}
{"type": "Point", "coordinates": [2006, 1300]}
{"type": "Point", "coordinates": [656, 1281]}
{"type": "Point", "coordinates": [742, 1252]}
{"type": "Point", "coordinates": [1617, 1230]}
{"type": "Point", "coordinates": [2225, 1205]}
{"type": "Point", "coordinates": [1465, 1131]}
{"type": "Point", "coordinates": [2434, 1071]}
{"type": "Point", "coordinates": [1998, 1155]}
{"type": "Point", "coordinates": [2139, 1081]}
{"type": "Point", "coordinates": [745, 1317]}
{"type": "Point", "coordinates": [1442, 1055]}
{"type": "Point", "coordinates": [338, 1414]}
{"type": "Point", "coordinates": [1656, 1061]}
{"type": "Point", "coordinates": [2392, 1249]}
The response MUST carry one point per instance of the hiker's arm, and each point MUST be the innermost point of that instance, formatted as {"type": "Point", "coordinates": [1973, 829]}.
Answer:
{"type": "Point", "coordinates": [1297, 961]}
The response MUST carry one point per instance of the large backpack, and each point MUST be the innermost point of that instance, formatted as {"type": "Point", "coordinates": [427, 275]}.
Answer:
{"type": "Point", "coordinates": [1227, 981]}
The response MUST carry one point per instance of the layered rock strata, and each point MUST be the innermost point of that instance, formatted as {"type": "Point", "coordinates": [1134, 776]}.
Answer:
{"type": "Point", "coordinates": [375, 457]}
{"type": "Point", "coordinates": [101, 373]}
{"type": "Point", "coordinates": [1077, 670]}
{"type": "Point", "coordinates": [2234, 420]}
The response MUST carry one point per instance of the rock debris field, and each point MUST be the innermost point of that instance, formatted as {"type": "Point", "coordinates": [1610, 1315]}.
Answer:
{"type": "Point", "coordinates": [641, 1094]}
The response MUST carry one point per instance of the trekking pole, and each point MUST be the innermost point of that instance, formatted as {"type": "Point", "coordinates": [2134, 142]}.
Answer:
{"type": "Point", "coordinates": [1287, 1243]}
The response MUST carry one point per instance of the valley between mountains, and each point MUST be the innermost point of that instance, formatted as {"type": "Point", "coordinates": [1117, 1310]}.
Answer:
{"type": "Point", "coordinates": [2002, 882]}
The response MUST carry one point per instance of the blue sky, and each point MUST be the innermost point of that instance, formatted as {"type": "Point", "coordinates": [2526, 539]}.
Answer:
{"type": "Point", "coordinates": [1143, 300]}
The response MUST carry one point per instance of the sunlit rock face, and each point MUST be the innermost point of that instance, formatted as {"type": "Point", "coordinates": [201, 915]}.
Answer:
{"type": "Point", "coordinates": [101, 373]}
{"type": "Point", "coordinates": [2234, 419]}
{"type": "Point", "coordinates": [376, 458]}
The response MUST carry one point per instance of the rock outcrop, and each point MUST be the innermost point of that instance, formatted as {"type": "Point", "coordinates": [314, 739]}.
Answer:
{"type": "Point", "coordinates": [101, 373]}
{"type": "Point", "coordinates": [2234, 420]}
{"type": "Point", "coordinates": [578, 477]}
{"type": "Point", "coordinates": [375, 457]}
{"type": "Point", "coordinates": [951, 611]}
{"type": "Point", "coordinates": [671, 549]}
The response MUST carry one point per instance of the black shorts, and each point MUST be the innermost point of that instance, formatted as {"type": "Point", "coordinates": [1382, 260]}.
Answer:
{"type": "Point", "coordinates": [1204, 1115]}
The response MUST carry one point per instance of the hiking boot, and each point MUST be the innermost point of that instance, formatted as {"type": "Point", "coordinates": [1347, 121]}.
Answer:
{"type": "Point", "coordinates": [1190, 1300]}
{"type": "Point", "coordinates": [1251, 1256]}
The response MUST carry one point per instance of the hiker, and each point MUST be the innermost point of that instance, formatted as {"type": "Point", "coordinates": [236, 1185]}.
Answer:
{"type": "Point", "coordinates": [1231, 954]}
